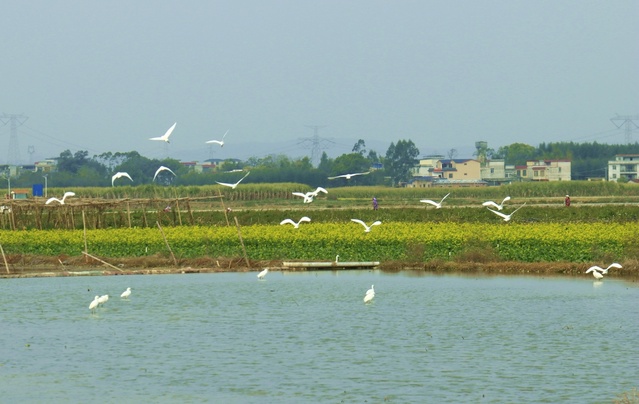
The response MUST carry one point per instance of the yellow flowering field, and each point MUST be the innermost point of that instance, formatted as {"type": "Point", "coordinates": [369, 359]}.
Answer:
{"type": "Point", "coordinates": [322, 241]}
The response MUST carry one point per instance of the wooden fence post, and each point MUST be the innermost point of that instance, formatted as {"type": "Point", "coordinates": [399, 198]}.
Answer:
{"type": "Point", "coordinates": [239, 233]}
{"type": "Point", "coordinates": [166, 242]}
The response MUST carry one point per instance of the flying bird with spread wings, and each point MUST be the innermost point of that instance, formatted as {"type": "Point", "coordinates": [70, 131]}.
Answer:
{"type": "Point", "coordinates": [162, 168]}
{"type": "Point", "coordinates": [220, 142]}
{"type": "Point", "coordinates": [233, 186]}
{"type": "Point", "coordinates": [348, 176]}
{"type": "Point", "coordinates": [165, 137]}
{"type": "Point", "coordinates": [119, 175]}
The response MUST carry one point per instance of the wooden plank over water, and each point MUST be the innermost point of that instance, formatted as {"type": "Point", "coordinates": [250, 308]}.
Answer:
{"type": "Point", "coordinates": [330, 264]}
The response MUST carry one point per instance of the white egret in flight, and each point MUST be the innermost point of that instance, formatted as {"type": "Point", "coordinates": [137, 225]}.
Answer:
{"type": "Point", "coordinates": [233, 185]}
{"type": "Point", "coordinates": [437, 205]}
{"type": "Point", "coordinates": [61, 201]}
{"type": "Point", "coordinates": [504, 216]}
{"type": "Point", "coordinates": [604, 270]}
{"type": "Point", "coordinates": [498, 206]}
{"type": "Point", "coordinates": [220, 142]}
{"type": "Point", "coordinates": [308, 197]}
{"type": "Point", "coordinates": [162, 168]}
{"type": "Point", "coordinates": [120, 175]}
{"type": "Point", "coordinates": [348, 176]}
{"type": "Point", "coordinates": [295, 225]}
{"type": "Point", "coordinates": [367, 228]}
{"type": "Point", "coordinates": [165, 137]}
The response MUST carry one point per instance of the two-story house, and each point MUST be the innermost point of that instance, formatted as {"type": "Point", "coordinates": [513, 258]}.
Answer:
{"type": "Point", "coordinates": [624, 166]}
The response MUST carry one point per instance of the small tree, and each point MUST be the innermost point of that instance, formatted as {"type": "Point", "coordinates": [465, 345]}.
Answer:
{"type": "Point", "coordinates": [400, 159]}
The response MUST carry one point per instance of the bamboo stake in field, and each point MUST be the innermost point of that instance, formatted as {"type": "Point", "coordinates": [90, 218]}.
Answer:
{"type": "Point", "coordinates": [239, 233]}
{"type": "Point", "coordinates": [166, 242]}
{"type": "Point", "coordinates": [177, 207]}
{"type": "Point", "coordinates": [128, 212]}
{"type": "Point", "coordinates": [6, 265]}
{"type": "Point", "coordinates": [84, 227]}
{"type": "Point", "coordinates": [102, 261]}
{"type": "Point", "coordinates": [226, 215]}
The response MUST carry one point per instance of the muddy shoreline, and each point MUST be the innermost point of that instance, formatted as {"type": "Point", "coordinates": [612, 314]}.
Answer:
{"type": "Point", "coordinates": [28, 267]}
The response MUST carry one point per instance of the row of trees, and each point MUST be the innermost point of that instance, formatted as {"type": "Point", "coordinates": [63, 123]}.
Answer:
{"type": "Point", "coordinates": [395, 167]}
{"type": "Point", "coordinates": [80, 170]}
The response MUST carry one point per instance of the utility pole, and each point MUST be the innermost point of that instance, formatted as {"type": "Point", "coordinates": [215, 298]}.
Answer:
{"type": "Point", "coordinates": [628, 122]}
{"type": "Point", "coordinates": [317, 144]}
{"type": "Point", "coordinates": [13, 152]}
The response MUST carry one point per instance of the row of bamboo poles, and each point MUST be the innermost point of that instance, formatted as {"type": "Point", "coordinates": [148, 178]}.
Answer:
{"type": "Point", "coordinates": [98, 213]}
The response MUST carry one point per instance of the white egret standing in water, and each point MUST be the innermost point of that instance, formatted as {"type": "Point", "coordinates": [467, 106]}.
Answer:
{"type": "Point", "coordinates": [126, 293]}
{"type": "Point", "coordinates": [262, 274]}
{"type": "Point", "coordinates": [94, 303]}
{"type": "Point", "coordinates": [595, 273]}
{"type": "Point", "coordinates": [370, 294]}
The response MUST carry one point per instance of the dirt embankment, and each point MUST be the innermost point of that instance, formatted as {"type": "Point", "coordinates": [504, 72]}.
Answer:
{"type": "Point", "coordinates": [23, 266]}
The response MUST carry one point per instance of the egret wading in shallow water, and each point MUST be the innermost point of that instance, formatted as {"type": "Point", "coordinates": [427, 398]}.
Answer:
{"type": "Point", "coordinates": [437, 205]}
{"type": "Point", "coordinates": [262, 274]}
{"type": "Point", "coordinates": [295, 225]}
{"type": "Point", "coordinates": [506, 217]}
{"type": "Point", "coordinates": [500, 206]}
{"type": "Point", "coordinates": [367, 228]}
{"type": "Point", "coordinates": [103, 299]}
{"type": "Point", "coordinates": [126, 293]}
{"type": "Point", "coordinates": [165, 137]}
{"type": "Point", "coordinates": [233, 186]}
{"type": "Point", "coordinates": [371, 290]}
{"type": "Point", "coordinates": [370, 294]}
{"type": "Point", "coordinates": [94, 303]}
{"type": "Point", "coordinates": [595, 273]}
{"type": "Point", "coordinates": [604, 271]}
{"type": "Point", "coordinates": [220, 142]}
{"type": "Point", "coordinates": [60, 201]}
{"type": "Point", "coordinates": [119, 175]}
{"type": "Point", "coordinates": [162, 168]}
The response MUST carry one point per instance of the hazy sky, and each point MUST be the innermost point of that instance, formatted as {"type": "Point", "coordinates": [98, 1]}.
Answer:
{"type": "Point", "coordinates": [107, 75]}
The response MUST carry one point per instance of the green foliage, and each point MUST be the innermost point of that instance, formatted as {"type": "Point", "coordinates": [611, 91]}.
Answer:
{"type": "Point", "coordinates": [400, 160]}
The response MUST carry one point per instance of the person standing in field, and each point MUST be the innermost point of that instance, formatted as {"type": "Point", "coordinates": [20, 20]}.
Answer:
{"type": "Point", "coordinates": [374, 203]}
{"type": "Point", "coordinates": [567, 201]}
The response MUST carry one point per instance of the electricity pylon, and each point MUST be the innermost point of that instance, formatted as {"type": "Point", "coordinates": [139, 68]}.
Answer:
{"type": "Point", "coordinates": [317, 144]}
{"type": "Point", "coordinates": [13, 151]}
{"type": "Point", "coordinates": [627, 121]}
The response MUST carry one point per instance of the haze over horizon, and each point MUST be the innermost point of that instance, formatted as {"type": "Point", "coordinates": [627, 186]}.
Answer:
{"type": "Point", "coordinates": [107, 76]}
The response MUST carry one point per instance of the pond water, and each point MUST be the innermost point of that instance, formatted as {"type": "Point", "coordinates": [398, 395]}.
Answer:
{"type": "Point", "coordinates": [299, 337]}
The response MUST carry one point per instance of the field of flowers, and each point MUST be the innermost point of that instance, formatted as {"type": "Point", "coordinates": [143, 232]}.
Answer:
{"type": "Point", "coordinates": [529, 242]}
